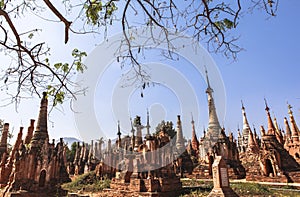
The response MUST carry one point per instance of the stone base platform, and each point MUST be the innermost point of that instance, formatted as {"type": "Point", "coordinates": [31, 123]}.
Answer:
{"type": "Point", "coordinates": [24, 193]}
{"type": "Point", "coordinates": [222, 192]}
{"type": "Point", "coordinates": [261, 178]}
{"type": "Point", "coordinates": [147, 187]}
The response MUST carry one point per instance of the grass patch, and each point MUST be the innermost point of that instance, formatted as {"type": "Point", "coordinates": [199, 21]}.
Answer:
{"type": "Point", "coordinates": [194, 187]}
{"type": "Point", "coordinates": [250, 189]}
{"type": "Point", "coordinates": [192, 182]}
{"type": "Point", "coordinates": [289, 187]}
{"type": "Point", "coordinates": [199, 189]}
{"type": "Point", "coordinates": [91, 183]}
{"type": "Point", "coordinates": [88, 182]}
{"type": "Point", "coordinates": [195, 193]}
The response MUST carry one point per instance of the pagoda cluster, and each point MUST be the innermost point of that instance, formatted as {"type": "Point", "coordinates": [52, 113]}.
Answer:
{"type": "Point", "coordinates": [33, 163]}
{"type": "Point", "coordinates": [151, 162]}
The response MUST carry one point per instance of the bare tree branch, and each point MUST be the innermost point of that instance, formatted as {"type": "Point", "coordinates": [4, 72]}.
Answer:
{"type": "Point", "coordinates": [210, 22]}
{"type": "Point", "coordinates": [61, 17]}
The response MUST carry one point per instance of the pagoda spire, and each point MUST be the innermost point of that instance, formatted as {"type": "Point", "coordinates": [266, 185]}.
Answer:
{"type": "Point", "coordinates": [262, 131]}
{"type": "Point", "coordinates": [252, 146]}
{"type": "Point", "coordinates": [132, 136]}
{"type": "Point", "coordinates": [195, 142]}
{"type": "Point", "coordinates": [29, 132]}
{"type": "Point", "coordinates": [246, 127]}
{"type": "Point", "coordinates": [179, 136]}
{"type": "Point", "coordinates": [239, 133]}
{"type": "Point", "coordinates": [109, 146]}
{"type": "Point", "coordinates": [41, 131]}
{"type": "Point", "coordinates": [294, 128]}
{"type": "Point", "coordinates": [278, 133]}
{"type": "Point", "coordinates": [256, 138]}
{"type": "Point", "coordinates": [207, 80]}
{"type": "Point", "coordinates": [287, 129]}
{"type": "Point", "coordinates": [239, 140]}
{"type": "Point", "coordinates": [139, 127]}
{"type": "Point", "coordinates": [148, 124]}
{"type": "Point", "coordinates": [119, 135]}
{"type": "Point", "coordinates": [214, 127]}
{"type": "Point", "coordinates": [16, 146]}
{"type": "Point", "coordinates": [275, 122]}
{"type": "Point", "coordinates": [271, 128]}
{"type": "Point", "coordinates": [4, 136]}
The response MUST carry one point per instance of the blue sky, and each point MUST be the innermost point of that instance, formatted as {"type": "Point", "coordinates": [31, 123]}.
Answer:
{"type": "Point", "coordinates": [267, 68]}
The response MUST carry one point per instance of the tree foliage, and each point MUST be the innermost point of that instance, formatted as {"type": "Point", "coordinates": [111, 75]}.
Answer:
{"type": "Point", "coordinates": [167, 127]}
{"type": "Point", "coordinates": [70, 153]}
{"type": "Point", "coordinates": [31, 70]}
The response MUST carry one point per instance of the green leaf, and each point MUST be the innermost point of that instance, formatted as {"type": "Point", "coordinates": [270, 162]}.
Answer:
{"type": "Point", "coordinates": [83, 54]}
{"type": "Point", "coordinates": [92, 11]}
{"type": "Point", "coordinates": [228, 23]}
{"type": "Point", "coordinates": [220, 25]}
{"type": "Point", "coordinates": [47, 62]}
{"type": "Point", "coordinates": [51, 90]}
{"type": "Point", "coordinates": [59, 98]}
{"type": "Point", "coordinates": [57, 65]}
{"type": "Point", "coordinates": [79, 66]}
{"type": "Point", "coordinates": [65, 67]}
{"type": "Point", "coordinates": [30, 35]}
{"type": "Point", "coordinates": [75, 52]}
{"type": "Point", "coordinates": [2, 4]}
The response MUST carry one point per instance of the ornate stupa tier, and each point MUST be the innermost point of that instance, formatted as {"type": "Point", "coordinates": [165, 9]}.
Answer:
{"type": "Point", "coordinates": [3, 143]}
{"type": "Point", "coordinates": [246, 127]}
{"type": "Point", "coordinates": [41, 131]}
{"type": "Point", "coordinates": [179, 136]}
{"type": "Point", "coordinates": [214, 127]}
{"type": "Point", "coordinates": [294, 127]}
{"type": "Point", "coordinates": [287, 129]}
{"type": "Point", "coordinates": [148, 124]}
{"type": "Point", "coordinates": [139, 127]}
{"type": "Point", "coordinates": [271, 127]}
{"type": "Point", "coordinates": [245, 132]}
{"type": "Point", "coordinates": [29, 132]}
{"type": "Point", "coordinates": [119, 136]}
{"type": "Point", "coordinates": [195, 142]}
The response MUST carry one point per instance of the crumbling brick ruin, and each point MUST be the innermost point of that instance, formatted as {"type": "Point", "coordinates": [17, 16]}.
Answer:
{"type": "Point", "coordinates": [33, 164]}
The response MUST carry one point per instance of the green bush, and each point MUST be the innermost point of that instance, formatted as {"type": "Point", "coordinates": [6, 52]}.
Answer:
{"type": "Point", "coordinates": [88, 182]}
